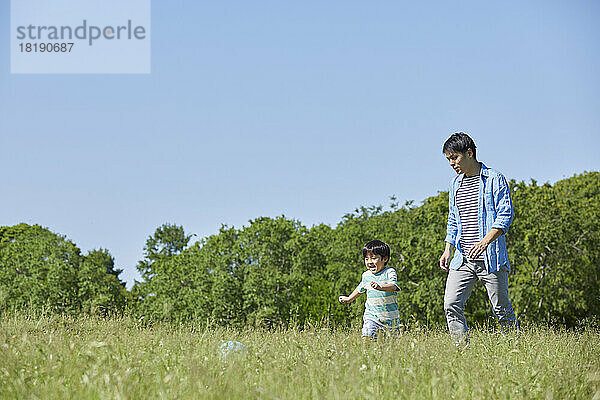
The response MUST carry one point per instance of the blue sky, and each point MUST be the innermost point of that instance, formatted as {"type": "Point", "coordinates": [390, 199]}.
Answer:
{"type": "Point", "coordinates": [267, 108]}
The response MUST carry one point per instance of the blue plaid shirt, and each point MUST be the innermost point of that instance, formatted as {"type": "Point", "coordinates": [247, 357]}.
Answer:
{"type": "Point", "coordinates": [495, 210]}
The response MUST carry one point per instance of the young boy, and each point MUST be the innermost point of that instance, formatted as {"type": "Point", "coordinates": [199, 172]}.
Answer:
{"type": "Point", "coordinates": [380, 283]}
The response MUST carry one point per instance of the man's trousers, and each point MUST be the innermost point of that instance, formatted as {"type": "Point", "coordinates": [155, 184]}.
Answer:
{"type": "Point", "coordinates": [459, 286]}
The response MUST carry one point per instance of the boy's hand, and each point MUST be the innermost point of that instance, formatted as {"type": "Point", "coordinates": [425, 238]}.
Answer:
{"type": "Point", "coordinates": [375, 286]}
{"type": "Point", "coordinates": [344, 299]}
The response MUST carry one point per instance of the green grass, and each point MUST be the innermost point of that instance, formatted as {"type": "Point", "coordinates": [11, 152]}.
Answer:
{"type": "Point", "coordinates": [88, 358]}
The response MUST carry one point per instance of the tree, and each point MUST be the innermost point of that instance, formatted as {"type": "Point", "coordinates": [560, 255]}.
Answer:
{"type": "Point", "coordinates": [162, 273]}
{"type": "Point", "coordinates": [38, 269]}
{"type": "Point", "coordinates": [168, 240]}
{"type": "Point", "coordinates": [99, 287]}
{"type": "Point", "coordinates": [554, 243]}
{"type": "Point", "coordinates": [266, 253]}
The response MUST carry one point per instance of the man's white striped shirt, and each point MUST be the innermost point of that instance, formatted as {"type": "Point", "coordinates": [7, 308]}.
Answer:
{"type": "Point", "coordinates": [466, 201]}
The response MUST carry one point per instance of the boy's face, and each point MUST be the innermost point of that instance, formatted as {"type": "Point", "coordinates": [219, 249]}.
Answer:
{"type": "Point", "coordinates": [374, 262]}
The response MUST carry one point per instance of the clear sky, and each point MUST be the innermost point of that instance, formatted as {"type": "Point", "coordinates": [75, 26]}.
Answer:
{"type": "Point", "coordinates": [307, 109]}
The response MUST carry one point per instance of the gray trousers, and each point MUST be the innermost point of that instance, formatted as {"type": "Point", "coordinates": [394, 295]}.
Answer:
{"type": "Point", "coordinates": [459, 286]}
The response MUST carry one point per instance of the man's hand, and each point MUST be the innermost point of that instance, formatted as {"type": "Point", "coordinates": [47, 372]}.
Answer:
{"type": "Point", "coordinates": [375, 286]}
{"type": "Point", "coordinates": [477, 249]}
{"type": "Point", "coordinates": [445, 260]}
{"type": "Point", "coordinates": [344, 299]}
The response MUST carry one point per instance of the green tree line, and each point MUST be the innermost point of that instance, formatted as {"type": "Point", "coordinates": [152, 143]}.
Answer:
{"type": "Point", "coordinates": [276, 271]}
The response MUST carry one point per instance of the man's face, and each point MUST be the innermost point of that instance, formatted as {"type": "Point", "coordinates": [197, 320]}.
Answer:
{"type": "Point", "coordinates": [458, 161]}
{"type": "Point", "coordinates": [374, 262]}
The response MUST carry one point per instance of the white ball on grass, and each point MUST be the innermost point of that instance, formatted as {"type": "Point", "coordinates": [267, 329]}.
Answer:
{"type": "Point", "coordinates": [230, 347]}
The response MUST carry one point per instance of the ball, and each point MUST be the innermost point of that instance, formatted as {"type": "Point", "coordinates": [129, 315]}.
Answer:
{"type": "Point", "coordinates": [230, 347]}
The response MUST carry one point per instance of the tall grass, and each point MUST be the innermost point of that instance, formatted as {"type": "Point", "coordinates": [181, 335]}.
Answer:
{"type": "Point", "coordinates": [49, 357]}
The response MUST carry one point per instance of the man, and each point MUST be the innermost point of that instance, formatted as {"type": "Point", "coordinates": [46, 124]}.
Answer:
{"type": "Point", "coordinates": [480, 212]}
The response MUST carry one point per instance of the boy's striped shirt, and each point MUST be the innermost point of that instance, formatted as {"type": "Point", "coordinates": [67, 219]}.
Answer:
{"type": "Point", "coordinates": [381, 307]}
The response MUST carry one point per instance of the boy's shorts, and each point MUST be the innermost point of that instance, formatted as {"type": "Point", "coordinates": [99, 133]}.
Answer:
{"type": "Point", "coordinates": [372, 328]}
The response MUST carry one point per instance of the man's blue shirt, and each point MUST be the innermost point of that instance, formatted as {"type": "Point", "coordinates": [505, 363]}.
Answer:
{"type": "Point", "coordinates": [495, 210]}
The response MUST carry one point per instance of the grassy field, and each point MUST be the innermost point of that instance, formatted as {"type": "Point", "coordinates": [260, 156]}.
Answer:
{"type": "Point", "coordinates": [88, 358]}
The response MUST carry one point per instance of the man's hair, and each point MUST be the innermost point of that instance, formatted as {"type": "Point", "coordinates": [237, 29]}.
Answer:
{"type": "Point", "coordinates": [377, 247]}
{"type": "Point", "coordinates": [459, 143]}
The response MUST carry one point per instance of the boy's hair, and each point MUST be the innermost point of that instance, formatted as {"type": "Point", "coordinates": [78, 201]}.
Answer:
{"type": "Point", "coordinates": [459, 143]}
{"type": "Point", "coordinates": [377, 247]}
